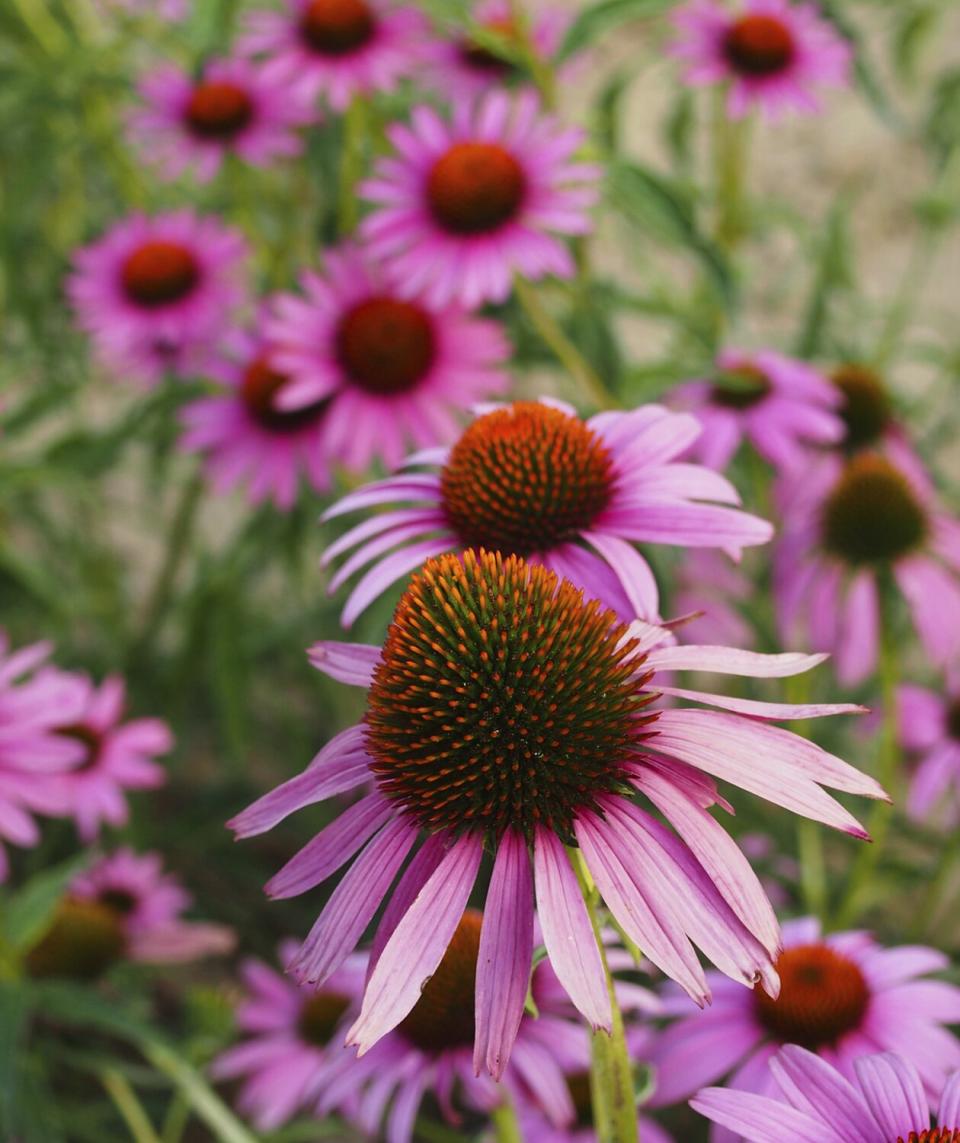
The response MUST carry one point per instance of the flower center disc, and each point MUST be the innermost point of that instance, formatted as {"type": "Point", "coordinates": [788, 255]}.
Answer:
{"type": "Point", "coordinates": [759, 46]}
{"type": "Point", "coordinates": [337, 27]}
{"type": "Point", "coordinates": [85, 938]}
{"type": "Point", "coordinates": [481, 59]}
{"type": "Point", "coordinates": [872, 514]}
{"type": "Point", "coordinates": [88, 738]}
{"type": "Point", "coordinates": [933, 1135]}
{"type": "Point", "coordinates": [218, 110]}
{"type": "Point", "coordinates": [159, 273]}
{"type": "Point", "coordinates": [443, 1017]}
{"type": "Point", "coordinates": [121, 901]}
{"type": "Point", "coordinates": [741, 388]}
{"type": "Point", "coordinates": [953, 718]}
{"type": "Point", "coordinates": [320, 1016]}
{"type": "Point", "coordinates": [866, 409]}
{"type": "Point", "coordinates": [501, 699]}
{"type": "Point", "coordinates": [258, 390]}
{"type": "Point", "coordinates": [475, 188]}
{"type": "Point", "coordinates": [823, 995]}
{"type": "Point", "coordinates": [524, 479]}
{"type": "Point", "coordinates": [386, 346]}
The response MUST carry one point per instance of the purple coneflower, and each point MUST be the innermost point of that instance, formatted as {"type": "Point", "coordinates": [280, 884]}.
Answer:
{"type": "Point", "coordinates": [507, 714]}
{"type": "Point", "coordinates": [467, 203]}
{"type": "Point", "coordinates": [152, 290]}
{"type": "Point", "coordinates": [462, 68]}
{"type": "Point", "coordinates": [393, 369]}
{"type": "Point", "coordinates": [533, 480]}
{"type": "Point", "coordinates": [34, 759]}
{"type": "Point", "coordinates": [928, 723]}
{"type": "Point", "coordinates": [774, 54]}
{"type": "Point", "coordinates": [842, 996]}
{"type": "Point", "coordinates": [781, 406]}
{"type": "Point", "coordinates": [124, 907]}
{"type": "Point", "coordinates": [815, 1104]}
{"type": "Point", "coordinates": [708, 582]}
{"type": "Point", "coordinates": [117, 755]}
{"type": "Point", "coordinates": [337, 48]}
{"type": "Point", "coordinates": [293, 1036]}
{"type": "Point", "coordinates": [247, 438]}
{"type": "Point", "coordinates": [847, 525]}
{"type": "Point", "coordinates": [231, 107]}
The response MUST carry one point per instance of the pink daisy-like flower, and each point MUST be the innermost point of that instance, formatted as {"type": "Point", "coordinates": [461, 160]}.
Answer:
{"type": "Point", "coordinates": [123, 907]}
{"type": "Point", "coordinates": [34, 759]}
{"type": "Point", "coordinates": [247, 438]}
{"type": "Point", "coordinates": [294, 1035]}
{"type": "Point", "coordinates": [929, 727]}
{"type": "Point", "coordinates": [815, 1104]}
{"type": "Point", "coordinates": [156, 290]}
{"type": "Point", "coordinates": [534, 480]}
{"type": "Point", "coordinates": [393, 369]}
{"type": "Point", "coordinates": [506, 713]}
{"type": "Point", "coordinates": [465, 204]}
{"type": "Point", "coordinates": [847, 525]}
{"type": "Point", "coordinates": [231, 107]}
{"type": "Point", "coordinates": [116, 755]}
{"type": "Point", "coordinates": [773, 53]}
{"type": "Point", "coordinates": [781, 406]}
{"type": "Point", "coordinates": [867, 409]}
{"type": "Point", "coordinates": [462, 68]}
{"type": "Point", "coordinates": [431, 1051]}
{"type": "Point", "coordinates": [709, 582]}
{"type": "Point", "coordinates": [842, 996]}
{"type": "Point", "coordinates": [337, 48]}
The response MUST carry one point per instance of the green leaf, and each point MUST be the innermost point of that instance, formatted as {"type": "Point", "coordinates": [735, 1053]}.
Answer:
{"type": "Point", "coordinates": [833, 272]}
{"type": "Point", "coordinates": [14, 1010]}
{"type": "Point", "coordinates": [863, 70]}
{"type": "Point", "coordinates": [605, 16]}
{"type": "Point", "coordinates": [663, 209]}
{"type": "Point", "coordinates": [30, 912]}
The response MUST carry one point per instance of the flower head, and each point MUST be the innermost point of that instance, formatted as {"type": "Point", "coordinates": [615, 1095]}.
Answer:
{"type": "Point", "coordinates": [846, 525]}
{"type": "Point", "coordinates": [506, 711]}
{"type": "Point", "coordinates": [533, 480]}
{"type": "Point", "coordinates": [247, 438]}
{"type": "Point", "coordinates": [929, 726]}
{"type": "Point", "coordinates": [781, 406]}
{"type": "Point", "coordinates": [867, 410]}
{"type": "Point", "coordinates": [463, 68]}
{"type": "Point", "coordinates": [842, 996]}
{"type": "Point", "coordinates": [231, 107]}
{"type": "Point", "coordinates": [337, 48]}
{"type": "Point", "coordinates": [392, 368]}
{"type": "Point", "coordinates": [34, 759]}
{"type": "Point", "coordinates": [116, 755]}
{"type": "Point", "coordinates": [773, 53]}
{"type": "Point", "coordinates": [885, 1103]}
{"type": "Point", "coordinates": [157, 291]}
{"type": "Point", "coordinates": [465, 204]}
{"type": "Point", "coordinates": [293, 1038]}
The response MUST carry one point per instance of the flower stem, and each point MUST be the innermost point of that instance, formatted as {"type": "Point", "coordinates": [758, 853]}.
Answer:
{"type": "Point", "coordinates": [505, 1126]}
{"type": "Point", "coordinates": [611, 1073]}
{"type": "Point", "coordinates": [351, 165]}
{"type": "Point", "coordinates": [563, 348]}
{"type": "Point", "coordinates": [908, 294]}
{"type": "Point", "coordinates": [540, 70]}
{"type": "Point", "coordinates": [731, 141]}
{"type": "Point", "coordinates": [131, 1110]}
{"type": "Point", "coordinates": [879, 823]}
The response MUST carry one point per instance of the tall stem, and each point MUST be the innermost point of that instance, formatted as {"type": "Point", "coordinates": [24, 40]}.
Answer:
{"type": "Point", "coordinates": [125, 1100]}
{"type": "Point", "coordinates": [907, 295]}
{"type": "Point", "coordinates": [539, 68]}
{"type": "Point", "coordinates": [731, 140]}
{"type": "Point", "coordinates": [563, 348]}
{"type": "Point", "coordinates": [611, 1073]}
{"type": "Point", "coordinates": [880, 819]}
{"type": "Point", "coordinates": [505, 1126]}
{"type": "Point", "coordinates": [351, 165]}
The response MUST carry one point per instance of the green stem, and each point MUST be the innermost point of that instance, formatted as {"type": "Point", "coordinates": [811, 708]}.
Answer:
{"type": "Point", "coordinates": [176, 1120]}
{"type": "Point", "coordinates": [207, 1105]}
{"type": "Point", "coordinates": [563, 348]}
{"type": "Point", "coordinates": [879, 823]}
{"type": "Point", "coordinates": [908, 294]}
{"type": "Point", "coordinates": [44, 28]}
{"type": "Point", "coordinates": [540, 69]}
{"type": "Point", "coordinates": [130, 1108]}
{"type": "Point", "coordinates": [731, 141]}
{"type": "Point", "coordinates": [351, 165]}
{"type": "Point", "coordinates": [181, 532]}
{"type": "Point", "coordinates": [505, 1126]}
{"type": "Point", "coordinates": [611, 1073]}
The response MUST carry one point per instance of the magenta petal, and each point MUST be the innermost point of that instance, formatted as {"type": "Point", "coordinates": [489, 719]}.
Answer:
{"type": "Point", "coordinates": [731, 661]}
{"type": "Point", "coordinates": [417, 944]}
{"type": "Point", "coordinates": [812, 1085]}
{"type": "Point", "coordinates": [894, 1094]}
{"type": "Point", "coordinates": [353, 903]}
{"type": "Point", "coordinates": [567, 931]}
{"type": "Point", "coordinates": [759, 1119]}
{"type": "Point", "coordinates": [350, 663]}
{"type": "Point", "coordinates": [631, 569]}
{"type": "Point", "coordinates": [757, 709]}
{"type": "Point", "coordinates": [506, 952]}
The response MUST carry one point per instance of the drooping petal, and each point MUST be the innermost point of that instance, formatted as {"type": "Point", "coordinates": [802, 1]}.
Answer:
{"type": "Point", "coordinates": [350, 663]}
{"type": "Point", "coordinates": [756, 1118]}
{"type": "Point", "coordinates": [894, 1094]}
